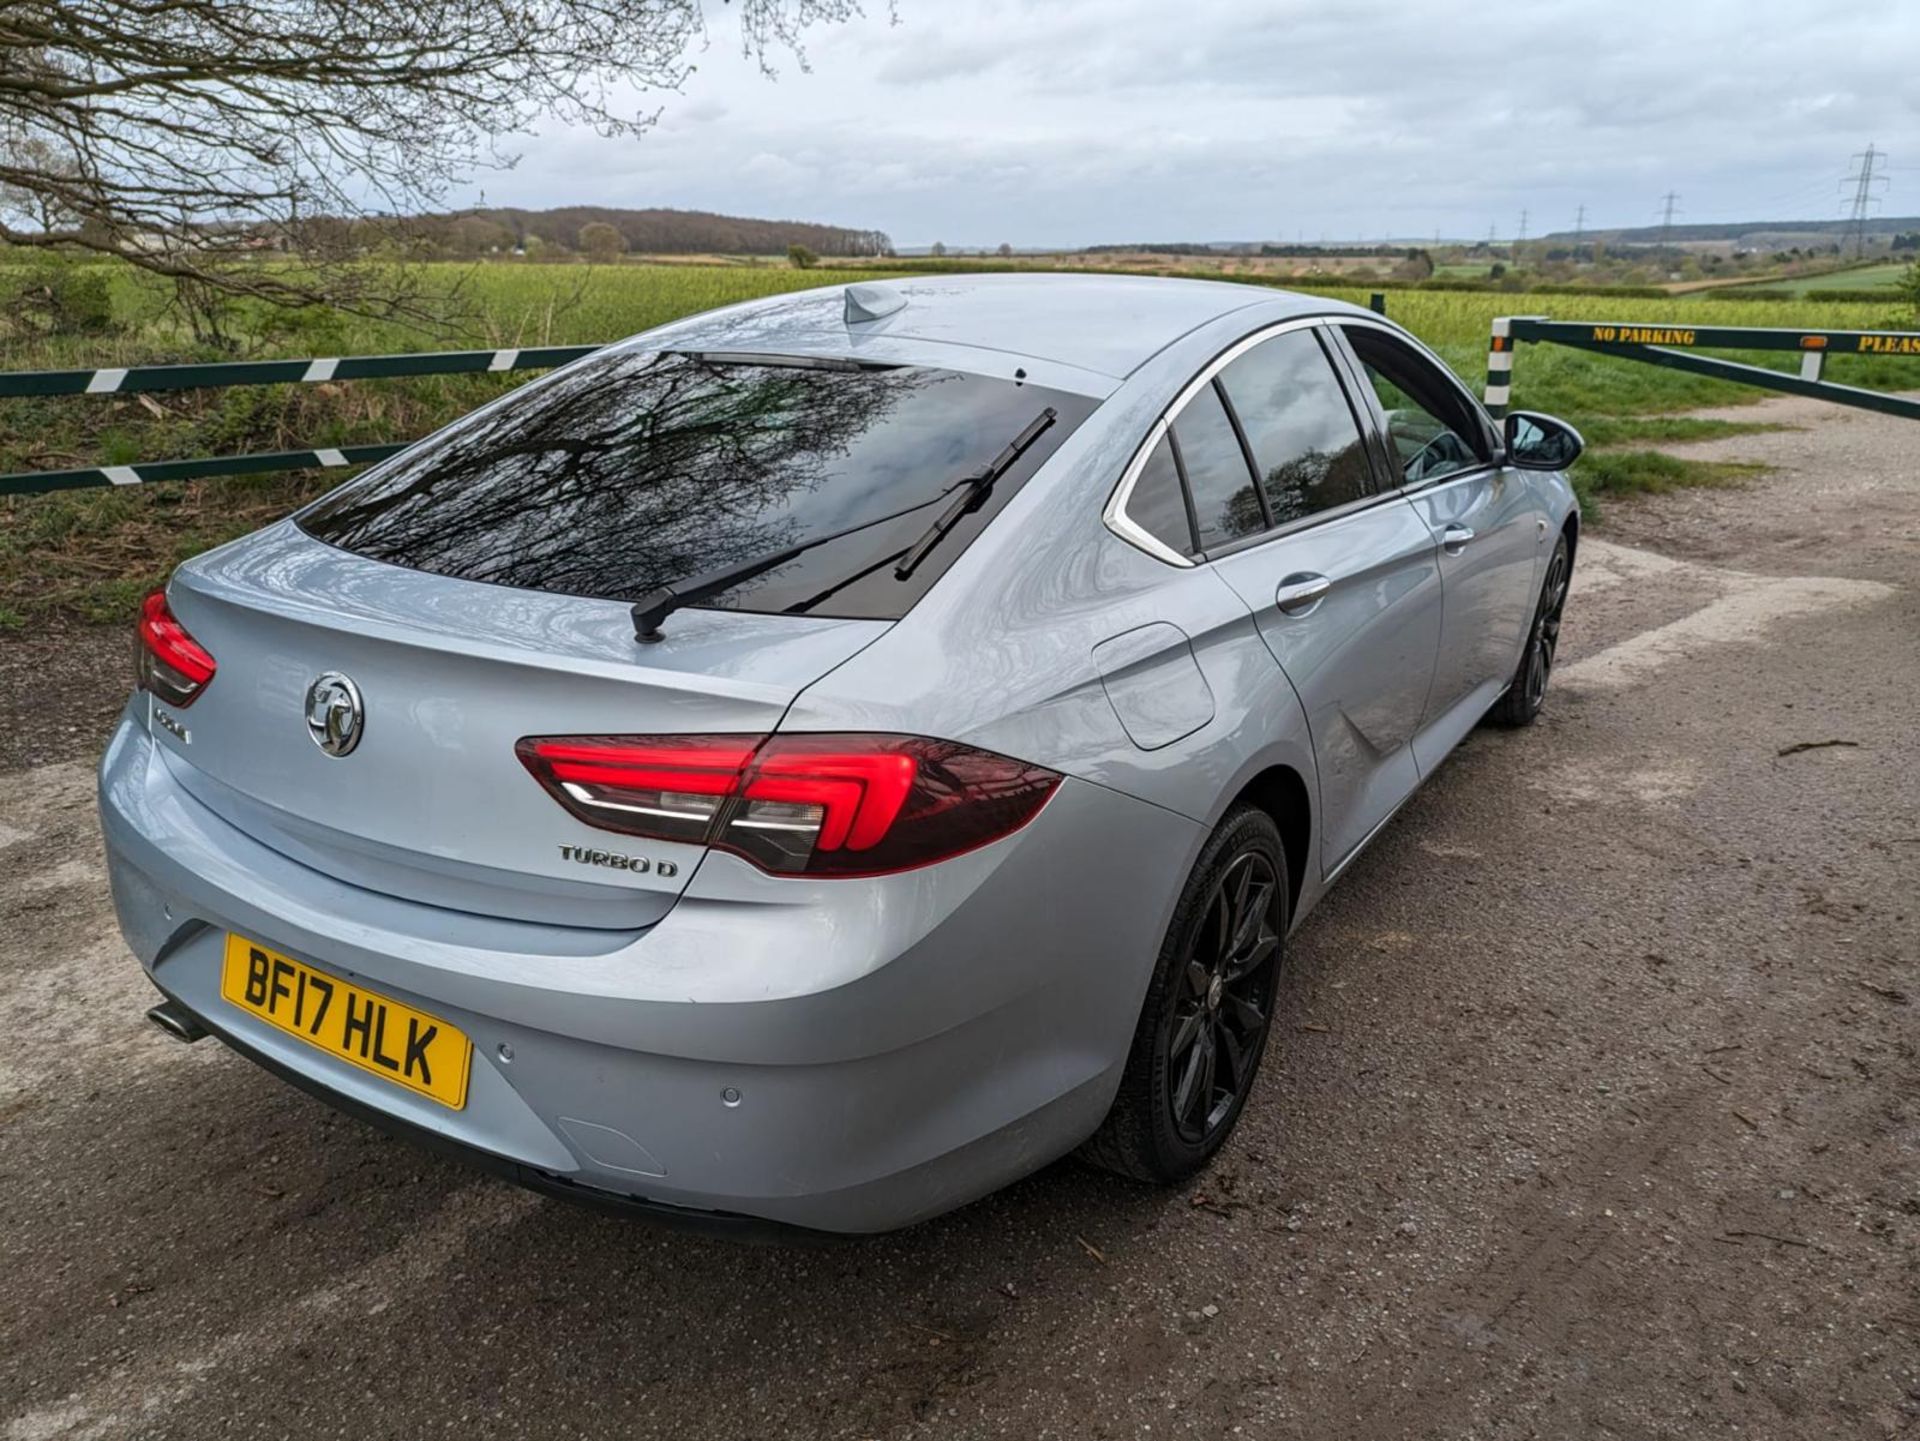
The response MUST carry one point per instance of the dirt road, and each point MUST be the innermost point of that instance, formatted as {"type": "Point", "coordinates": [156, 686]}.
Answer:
{"type": "Point", "coordinates": [1594, 1111]}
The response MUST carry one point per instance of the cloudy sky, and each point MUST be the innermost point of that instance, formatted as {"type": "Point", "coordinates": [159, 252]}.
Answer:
{"type": "Point", "coordinates": [1069, 122]}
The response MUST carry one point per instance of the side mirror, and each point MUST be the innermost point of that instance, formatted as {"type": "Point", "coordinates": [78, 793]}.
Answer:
{"type": "Point", "coordinates": [1539, 442]}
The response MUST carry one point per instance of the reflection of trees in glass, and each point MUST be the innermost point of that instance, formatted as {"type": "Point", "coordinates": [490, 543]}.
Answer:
{"type": "Point", "coordinates": [1311, 482]}
{"type": "Point", "coordinates": [1243, 514]}
{"type": "Point", "coordinates": [623, 475]}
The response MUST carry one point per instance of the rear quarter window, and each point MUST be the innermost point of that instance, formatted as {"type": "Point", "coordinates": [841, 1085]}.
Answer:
{"type": "Point", "coordinates": [636, 470]}
{"type": "Point", "coordinates": [1158, 504]}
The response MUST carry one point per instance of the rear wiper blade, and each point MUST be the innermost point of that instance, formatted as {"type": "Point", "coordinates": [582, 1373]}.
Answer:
{"type": "Point", "coordinates": [657, 604]}
{"type": "Point", "coordinates": [973, 492]}
{"type": "Point", "coordinates": [772, 360]}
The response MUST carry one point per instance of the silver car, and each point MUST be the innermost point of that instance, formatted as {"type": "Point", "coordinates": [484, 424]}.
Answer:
{"type": "Point", "coordinates": [820, 760]}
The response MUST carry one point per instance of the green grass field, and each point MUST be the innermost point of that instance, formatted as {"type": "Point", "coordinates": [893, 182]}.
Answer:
{"type": "Point", "coordinates": [1868, 277]}
{"type": "Point", "coordinates": [90, 553]}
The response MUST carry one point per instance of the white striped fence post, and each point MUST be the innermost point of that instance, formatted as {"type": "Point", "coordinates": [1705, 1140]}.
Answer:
{"type": "Point", "coordinates": [1499, 367]}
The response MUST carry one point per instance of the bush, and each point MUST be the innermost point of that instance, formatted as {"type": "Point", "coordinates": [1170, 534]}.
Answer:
{"type": "Point", "coordinates": [1459, 285]}
{"type": "Point", "coordinates": [59, 297]}
{"type": "Point", "coordinates": [602, 242]}
{"type": "Point", "coordinates": [801, 258]}
{"type": "Point", "coordinates": [82, 302]}
{"type": "Point", "coordinates": [1858, 293]}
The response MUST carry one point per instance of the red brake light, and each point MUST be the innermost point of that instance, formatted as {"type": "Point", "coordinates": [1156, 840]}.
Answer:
{"type": "Point", "coordinates": [818, 804]}
{"type": "Point", "coordinates": [171, 663]}
{"type": "Point", "coordinates": [672, 788]}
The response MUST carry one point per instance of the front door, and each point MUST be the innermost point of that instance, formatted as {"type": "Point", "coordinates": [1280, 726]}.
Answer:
{"type": "Point", "coordinates": [1481, 518]}
{"type": "Point", "coordinates": [1488, 533]}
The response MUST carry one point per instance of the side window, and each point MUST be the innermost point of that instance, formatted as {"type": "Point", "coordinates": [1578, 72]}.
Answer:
{"type": "Point", "coordinates": [1158, 505]}
{"type": "Point", "coordinates": [1431, 431]}
{"type": "Point", "coordinates": [1225, 505]}
{"type": "Point", "coordinates": [1299, 426]}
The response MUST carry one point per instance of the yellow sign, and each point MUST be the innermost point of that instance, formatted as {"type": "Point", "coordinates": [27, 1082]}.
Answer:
{"type": "Point", "coordinates": [405, 1046]}
{"type": "Point", "coordinates": [1890, 344]}
{"type": "Point", "coordinates": [1642, 335]}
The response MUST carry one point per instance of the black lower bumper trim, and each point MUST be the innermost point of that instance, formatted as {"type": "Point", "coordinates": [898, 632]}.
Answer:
{"type": "Point", "coordinates": [727, 1225]}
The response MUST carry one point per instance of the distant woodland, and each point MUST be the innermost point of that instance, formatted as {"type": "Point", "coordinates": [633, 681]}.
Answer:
{"type": "Point", "coordinates": [583, 229]}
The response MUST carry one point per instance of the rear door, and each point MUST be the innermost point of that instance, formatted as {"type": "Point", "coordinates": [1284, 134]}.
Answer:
{"type": "Point", "coordinates": [1343, 582]}
{"type": "Point", "coordinates": [1480, 514]}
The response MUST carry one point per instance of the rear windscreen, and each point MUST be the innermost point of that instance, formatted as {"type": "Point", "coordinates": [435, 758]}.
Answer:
{"type": "Point", "coordinates": [642, 469]}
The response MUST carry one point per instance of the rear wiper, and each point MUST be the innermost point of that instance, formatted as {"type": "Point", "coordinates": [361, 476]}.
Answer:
{"type": "Point", "coordinates": [657, 604]}
{"type": "Point", "coordinates": [784, 362]}
{"type": "Point", "coordinates": [974, 491]}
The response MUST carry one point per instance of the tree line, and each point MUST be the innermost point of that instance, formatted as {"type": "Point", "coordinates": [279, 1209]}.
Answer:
{"type": "Point", "coordinates": [602, 230]}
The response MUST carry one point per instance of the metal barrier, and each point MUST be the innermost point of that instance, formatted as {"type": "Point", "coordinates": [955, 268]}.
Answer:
{"type": "Point", "coordinates": [134, 379]}
{"type": "Point", "coordinates": [1674, 346]}
{"type": "Point", "coordinates": [1677, 347]}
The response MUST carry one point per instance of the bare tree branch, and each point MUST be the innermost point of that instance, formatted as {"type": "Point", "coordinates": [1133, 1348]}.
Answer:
{"type": "Point", "coordinates": [164, 131]}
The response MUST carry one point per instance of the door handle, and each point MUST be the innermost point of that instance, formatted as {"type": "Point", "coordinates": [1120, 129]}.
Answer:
{"type": "Point", "coordinates": [1299, 594]}
{"type": "Point", "coordinates": [1455, 537]}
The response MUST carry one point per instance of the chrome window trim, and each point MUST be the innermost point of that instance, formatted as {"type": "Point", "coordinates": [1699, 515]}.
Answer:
{"type": "Point", "coordinates": [1114, 514]}
{"type": "Point", "coordinates": [1420, 487]}
{"type": "Point", "coordinates": [1305, 522]}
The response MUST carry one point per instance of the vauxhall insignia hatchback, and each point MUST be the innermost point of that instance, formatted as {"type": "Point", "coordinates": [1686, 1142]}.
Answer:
{"type": "Point", "coordinates": [818, 761]}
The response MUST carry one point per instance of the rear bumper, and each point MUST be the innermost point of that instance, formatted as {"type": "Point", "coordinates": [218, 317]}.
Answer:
{"type": "Point", "coordinates": [843, 1057]}
{"type": "Point", "coordinates": [728, 1224]}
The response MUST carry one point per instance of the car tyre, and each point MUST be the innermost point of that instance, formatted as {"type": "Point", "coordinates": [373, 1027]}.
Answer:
{"type": "Point", "coordinates": [1528, 690]}
{"type": "Point", "coordinates": [1208, 1011]}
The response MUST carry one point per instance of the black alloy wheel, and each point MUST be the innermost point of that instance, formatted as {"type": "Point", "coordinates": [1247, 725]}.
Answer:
{"type": "Point", "coordinates": [1545, 638]}
{"type": "Point", "coordinates": [1528, 691]}
{"type": "Point", "coordinates": [1207, 1013]}
{"type": "Point", "coordinates": [1218, 1023]}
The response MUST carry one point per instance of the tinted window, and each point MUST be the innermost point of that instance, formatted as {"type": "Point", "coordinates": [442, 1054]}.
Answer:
{"type": "Point", "coordinates": [1157, 504]}
{"type": "Point", "coordinates": [1432, 431]}
{"type": "Point", "coordinates": [1299, 426]}
{"type": "Point", "coordinates": [637, 470]}
{"type": "Point", "coordinates": [1224, 504]}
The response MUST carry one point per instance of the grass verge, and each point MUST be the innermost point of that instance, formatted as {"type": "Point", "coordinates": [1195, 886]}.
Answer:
{"type": "Point", "coordinates": [1617, 430]}
{"type": "Point", "coordinates": [1608, 473]}
{"type": "Point", "coordinates": [92, 554]}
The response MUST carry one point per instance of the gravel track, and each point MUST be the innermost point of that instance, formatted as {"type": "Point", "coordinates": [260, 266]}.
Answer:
{"type": "Point", "coordinates": [1593, 1110]}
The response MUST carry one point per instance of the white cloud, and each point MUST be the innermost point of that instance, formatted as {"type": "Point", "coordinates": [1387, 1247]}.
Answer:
{"type": "Point", "coordinates": [1075, 121]}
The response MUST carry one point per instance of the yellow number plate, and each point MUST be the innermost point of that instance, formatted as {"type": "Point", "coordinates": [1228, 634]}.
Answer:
{"type": "Point", "coordinates": [407, 1047]}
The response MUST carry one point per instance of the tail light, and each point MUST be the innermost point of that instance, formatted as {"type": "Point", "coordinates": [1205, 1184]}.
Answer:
{"type": "Point", "coordinates": [840, 805]}
{"type": "Point", "coordinates": [169, 662]}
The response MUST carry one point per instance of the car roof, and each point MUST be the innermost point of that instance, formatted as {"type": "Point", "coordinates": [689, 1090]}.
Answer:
{"type": "Point", "coordinates": [1108, 324]}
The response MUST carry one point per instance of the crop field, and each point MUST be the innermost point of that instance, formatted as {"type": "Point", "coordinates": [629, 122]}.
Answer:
{"type": "Point", "coordinates": [89, 554]}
